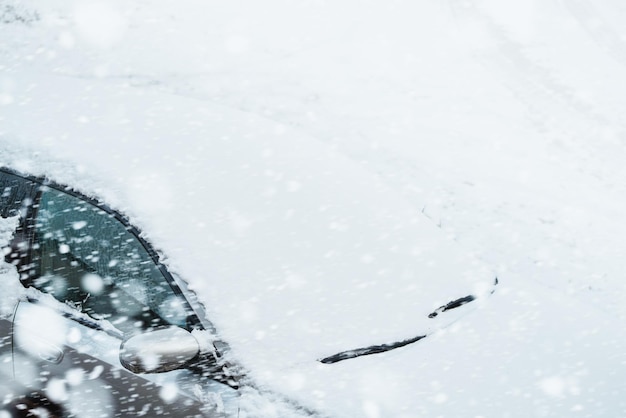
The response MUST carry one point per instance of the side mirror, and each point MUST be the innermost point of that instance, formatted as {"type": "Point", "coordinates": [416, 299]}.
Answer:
{"type": "Point", "coordinates": [159, 351]}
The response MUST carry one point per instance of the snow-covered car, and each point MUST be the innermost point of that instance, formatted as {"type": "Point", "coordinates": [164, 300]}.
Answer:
{"type": "Point", "coordinates": [99, 315]}
{"type": "Point", "coordinates": [325, 189]}
{"type": "Point", "coordinates": [99, 325]}
{"type": "Point", "coordinates": [305, 261]}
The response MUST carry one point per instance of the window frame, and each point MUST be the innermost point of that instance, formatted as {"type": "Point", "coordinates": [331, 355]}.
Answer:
{"type": "Point", "coordinates": [27, 228]}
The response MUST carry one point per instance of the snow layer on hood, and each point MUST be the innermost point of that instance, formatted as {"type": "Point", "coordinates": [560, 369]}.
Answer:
{"type": "Point", "coordinates": [241, 204]}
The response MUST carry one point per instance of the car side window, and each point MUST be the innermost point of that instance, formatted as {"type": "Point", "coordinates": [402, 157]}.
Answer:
{"type": "Point", "coordinates": [84, 256]}
{"type": "Point", "coordinates": [15, 194]}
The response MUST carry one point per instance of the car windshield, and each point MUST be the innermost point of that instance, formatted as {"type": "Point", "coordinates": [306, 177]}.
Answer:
{"type": "Point", "coordinates": [84, 256]}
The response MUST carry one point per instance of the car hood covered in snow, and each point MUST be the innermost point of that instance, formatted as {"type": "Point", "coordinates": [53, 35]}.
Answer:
{"type": "Point", "coordinates": [286, 239]}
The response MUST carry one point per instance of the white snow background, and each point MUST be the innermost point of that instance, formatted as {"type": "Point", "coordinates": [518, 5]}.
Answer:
{"type": "Point", "coordinates": [295, 160]}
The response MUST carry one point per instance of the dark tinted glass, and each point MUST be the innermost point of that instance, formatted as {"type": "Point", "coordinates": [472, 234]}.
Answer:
{"type": "Point", "coordinates": [15, 193]}
{"type": "Point", "coordinates": [85, 257]}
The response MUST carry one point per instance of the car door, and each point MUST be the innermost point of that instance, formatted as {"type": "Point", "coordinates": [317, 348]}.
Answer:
{"type": "Point", "coordinates": [91, 283]}
{"type": "Point", "coordinates": [73, 361]}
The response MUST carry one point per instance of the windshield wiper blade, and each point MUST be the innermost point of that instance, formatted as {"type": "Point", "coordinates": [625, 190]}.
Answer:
{"type": "Point", "coordinates": [373, 349]}
{"type": "Point", "coordinates": [376, 349]}
{"type": "Point", "coordinates": [452, 304]}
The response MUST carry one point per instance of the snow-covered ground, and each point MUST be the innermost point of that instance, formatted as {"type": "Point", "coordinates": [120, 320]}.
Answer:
{"type": "Point", "coordinates": [374, 134]}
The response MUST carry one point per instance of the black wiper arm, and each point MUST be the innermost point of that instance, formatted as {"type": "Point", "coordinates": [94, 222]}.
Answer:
{"type": "Point", "coordinates": [375, 349]}
{"type": "Point", "coordinates": [452, 304]}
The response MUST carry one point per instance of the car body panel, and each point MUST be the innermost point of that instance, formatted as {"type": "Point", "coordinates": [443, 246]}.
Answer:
{"type": "Point", "coordinates": [78, 367]}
